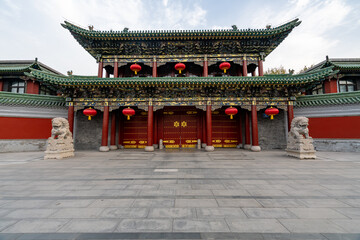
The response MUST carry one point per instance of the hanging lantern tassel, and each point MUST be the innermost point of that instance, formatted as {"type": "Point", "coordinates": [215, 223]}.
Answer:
{"type": "Point", "coordinates": [89, 112]}
{"type": "Point", "coordinates": [135, 68]}
{"type": "Point", "coordinates": [272, 112]}
{"type": "Point", "coordinates": [179, 67]}
{"type": "Point", "coordinates": [224, 66]}
{"type": "Point", "coordinates": [231, 111]}
{"type": "Point", "coordinates": [128, 112]}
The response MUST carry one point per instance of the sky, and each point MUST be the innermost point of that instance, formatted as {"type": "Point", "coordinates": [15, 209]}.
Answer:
{"type": "Point", "coordinates": [31, 28]}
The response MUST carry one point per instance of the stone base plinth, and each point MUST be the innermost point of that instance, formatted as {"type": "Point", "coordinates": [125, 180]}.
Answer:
{"type": "Point", "coordinates": [203, 145]}
{"type": "Point", "coordinates": [156, 146]}
{"type": "Point", "coordinates": [247, 146]}
{"type": "Point", "coordinates": [255, 148]}
{"type": "Point", "coordinates": [209, 148]}
{"type": "Point", "coordinates": [104, 149]}
{"type": "Point", "coordinates": [113, 147]}
{"type": "Point", "coordinates": [149, 148]}
{"type": "Point", "coordinates": [58, 154]}
{"type": "Point", "coordinates": [301, 154]}
{"type": "Point", "coordinates": [239, 146]}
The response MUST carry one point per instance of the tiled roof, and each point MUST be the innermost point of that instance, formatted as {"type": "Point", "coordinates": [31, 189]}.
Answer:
{"type": "Point", "coordinates": [180, 34]}
{"type": "Point", "coordinates": [328, 99]}
{"type": "Point", "coordinates": [11, 66]}
{"type": "Point", "coordinates": [284, 79]}
{"type": "Point", "coordinates": [343, 64]}
{"type": "Point", "coordinates": [22, 99]}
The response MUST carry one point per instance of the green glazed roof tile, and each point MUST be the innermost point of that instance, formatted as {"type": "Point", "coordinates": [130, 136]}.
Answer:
{"type": "Point", "coordinates": [33, 100]}
{"type": "Point", "coordinates": [328, 99]}
{"type": "Point", "coordinates": [73, 81]}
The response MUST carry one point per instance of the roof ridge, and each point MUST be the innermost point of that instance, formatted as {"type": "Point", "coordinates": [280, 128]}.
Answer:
{"type": "Point", "coordinates": [294, 22]}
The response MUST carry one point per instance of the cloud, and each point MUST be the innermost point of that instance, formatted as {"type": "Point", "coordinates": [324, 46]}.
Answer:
{"type": "Point", "coordinates": [312, 40]}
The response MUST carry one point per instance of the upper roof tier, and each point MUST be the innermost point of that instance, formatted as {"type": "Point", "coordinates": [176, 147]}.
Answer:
{"type": "Point", "coordinates": [259, 42]}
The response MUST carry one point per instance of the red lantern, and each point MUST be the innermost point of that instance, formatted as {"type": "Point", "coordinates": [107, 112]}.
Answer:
{"type": "Point", "coordinates": [224, 66]}
{"type": "Point", "coordinates": [135, 68]}
{"type": "Point", "coordinates": [89, 112]}
{"type": "Point", "coordinates": [231, 111]}
{"type": "Point", "coordinates": [272, 112]}
{"type": "Point", "coordinates": [128, 112]}
{"type": "Point", "coordinates": [179, 67]}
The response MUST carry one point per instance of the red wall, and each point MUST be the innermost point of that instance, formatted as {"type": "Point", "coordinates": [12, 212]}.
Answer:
{"type": "Point", "coordinates": [335, 127]}
{"type": "Point", "coordinates": [25, 128]}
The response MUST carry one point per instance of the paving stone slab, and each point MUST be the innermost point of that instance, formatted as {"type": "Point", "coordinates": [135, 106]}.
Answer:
{"type": "Point", "coordinates": [237, 202]}
{"type": "Point", "coordinates": [90, 225]}
{"type": "Point", "coordinates": [319, 213]}
{"type": "Point", "coordinates": [195, 203]}
{"type": "Point", "coordinates": [350, 225]}
{"type": "Point", "coordinates": [36, 226]}
{"type": "Point", "coordinates": [172, 213]}
{"type": "Point", "coordinates": [256, 226]}
{"type": "Point", "coordinates": [209, 213]}
{"type": "Point", "coordinates": [77, 213]}
{"type": "Point", "coordinates": [145, 225]}
{"type": "Point", "coordinates": [104, 203]}
{"type": "Point", "coordinates": [311, 226]}
{"type": "Point", "coordinates": [124, 213]}
{"type": "Point", "coordinates": [30, 213]}
{"type": "Point", "coordinates": [186, 225]}
{"type": "Point", "coordinates": [265, 213]}
{"type": "Point", "coordinates": [154, 203]}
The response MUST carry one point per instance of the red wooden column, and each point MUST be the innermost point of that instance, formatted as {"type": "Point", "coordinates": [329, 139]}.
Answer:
{"type": "Point", "coordinates": [100, 70]}
{"type": "Point", "coordinates": [156, 141]}
{"type": "Point", "coordinates": [113, 145]}
{"type": "Point", "coordinates": [253, 74]}
{"type": "Point", "coordinates": [205, 68]}
{"type": "Point", "coordinates": [245, 72]}
{"type": "Point", "coordinates": [150, 129]}
{"type": "Point", "coordinates": [247, 131]}
{"type": "Point", "coordinates": [105, 130]}
{"type": "Point", "coordinates": [71, 117]}
{"type": "Point", "coordinates": [203, 116]}
{"type": "Point", "coordinates": [107, 73]}
{"type": "Point", "coordinates": [209, 147]}
{"type": "Point", "coordinates": [254, 129]}
{"type": "Point", "coordinates": [260, 67]}
{"type": "Point", "coordinates": [1, 85]}
{"type": "Point", "coordinates": [154, 68]}
{"type": "Point", "coordinates": [240, 140]}
{"type": "Point", "coordinates": [116, 68]}
{"type": "Point", "coordinates": [120, 130]}
{"type": "Point", "coordinates": [290, 114]}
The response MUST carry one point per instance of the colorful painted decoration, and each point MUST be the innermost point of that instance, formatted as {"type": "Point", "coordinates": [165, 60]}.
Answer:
{"type": "Point", "coordinates": [128, 112]}
{"type": "Point", "coordinates": [89, 112]}
{"type": "Point", "coordinates": [272, 112]}
{"type": "Point", "coordinates": [135, 68]}
{"type": "Point", "coordinates": [179, 67]}
{"type": "Point", "coordinates": [224, 66]}
{"type": "Point", "coordinates": [231, 111]}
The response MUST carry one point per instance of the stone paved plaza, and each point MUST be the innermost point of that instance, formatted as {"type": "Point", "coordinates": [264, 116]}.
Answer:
{"type": "Point", "coordinates": [180, 194]}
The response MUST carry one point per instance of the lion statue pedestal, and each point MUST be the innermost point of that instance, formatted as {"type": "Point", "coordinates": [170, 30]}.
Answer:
{"type": "Point", "coordinates": [60, 144]}
{"type": "Point", "coordinates": [299, 143]}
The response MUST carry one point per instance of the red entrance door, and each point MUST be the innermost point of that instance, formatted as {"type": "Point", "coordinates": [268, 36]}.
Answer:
{"type": "Point", "coordinates": [180, 129]}
{"type": "Point", "coordinates": [224, 130]}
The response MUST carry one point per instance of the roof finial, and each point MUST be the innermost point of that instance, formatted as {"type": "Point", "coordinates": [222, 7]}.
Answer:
{"type": "Point", "coordinates": [91, 27]}
{"type": "Point", "coordinates": [36, 60]}
{"type": "Point", "coordinates": [234, 28]}
{"type": "Point", "coordinates": [327, 58]}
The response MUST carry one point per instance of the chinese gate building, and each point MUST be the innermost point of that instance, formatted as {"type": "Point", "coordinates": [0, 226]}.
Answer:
{"type": "Point", "coordinates": [176, 89]}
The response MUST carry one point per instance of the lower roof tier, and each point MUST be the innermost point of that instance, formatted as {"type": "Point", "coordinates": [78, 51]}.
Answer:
{"type": "Point", "coordinates": [93, 81]}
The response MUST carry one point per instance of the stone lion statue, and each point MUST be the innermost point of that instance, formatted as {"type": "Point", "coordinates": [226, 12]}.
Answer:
{"type": "Point", "coordinates": [299, 128]}
{"type": "Point", "coordinates": [299, 143]}
{"type": "Point", "coordinates": [60, 144]}
{"type": "Point", "coordinates": [60, 128]}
